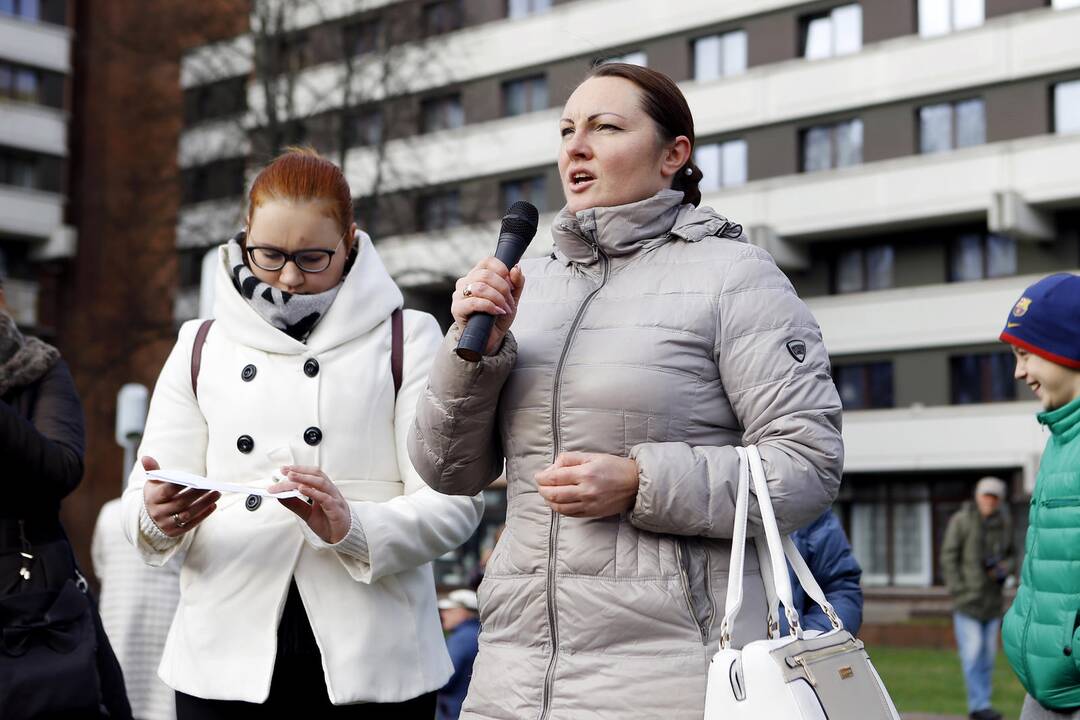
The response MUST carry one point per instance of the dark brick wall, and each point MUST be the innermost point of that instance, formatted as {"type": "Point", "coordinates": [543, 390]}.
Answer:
{"type": "Point", "coordinates": [112, 307]}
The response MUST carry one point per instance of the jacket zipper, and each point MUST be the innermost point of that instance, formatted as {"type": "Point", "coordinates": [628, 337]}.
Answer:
{"type": "Point", "coordinates": [1061, 502]}
{"type": "Point", "coordinates": [553, 531]}
{"type": "Point", "coordinates": [1027, 620]}
{"type": "Point", "coordinates": [684, 576]}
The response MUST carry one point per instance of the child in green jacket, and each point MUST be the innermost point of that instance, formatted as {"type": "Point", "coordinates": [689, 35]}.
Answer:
{"type": "Point", "coordinates": [1040, 631]}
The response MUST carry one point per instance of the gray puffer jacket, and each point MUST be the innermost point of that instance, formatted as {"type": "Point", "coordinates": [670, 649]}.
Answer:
{"type": "Point", "coordinates": [651, 332]}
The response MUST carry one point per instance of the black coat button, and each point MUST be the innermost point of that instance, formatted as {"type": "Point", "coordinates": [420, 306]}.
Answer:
{"type": "Point", "coordinates": [248, 373]}
{"type": "Point", "coordinates": [253, 502]}
{"type": "Point", "coordinates": [245, 444]}
{"type": "Point", "coordinates": [311, 367]}
{"type": "Point", "coordinates": [1068, 651]}
{"type": "Point", "coordinates": [313, 436]}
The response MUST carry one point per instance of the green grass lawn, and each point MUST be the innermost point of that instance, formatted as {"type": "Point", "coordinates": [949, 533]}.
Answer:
{"type": "Point", "coordinates": [930, 681]}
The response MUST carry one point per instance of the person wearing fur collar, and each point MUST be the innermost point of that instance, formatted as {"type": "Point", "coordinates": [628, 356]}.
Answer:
{"type": "Point", "coordinates": [41, 441]}
{"type": "Point", "coordinates": [328, 607]}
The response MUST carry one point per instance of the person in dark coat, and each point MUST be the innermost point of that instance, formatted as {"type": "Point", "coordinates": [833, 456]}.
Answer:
{"type": "Point", "coordinates": [462, 624]}
{"type": "Point", "coordinates": [41, 442]}
{"type": "Point", "coordinates": [827, 552]}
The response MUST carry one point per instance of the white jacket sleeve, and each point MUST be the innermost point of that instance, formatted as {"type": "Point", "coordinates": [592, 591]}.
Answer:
{"type": "Point", "coordinates": [176, 437]}
{"type": "Point", "coordinates": [421, 525]}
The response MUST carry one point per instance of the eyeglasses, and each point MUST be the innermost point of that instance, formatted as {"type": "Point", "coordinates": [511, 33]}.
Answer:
{"type": "Point", "coordinates": [310, 261]}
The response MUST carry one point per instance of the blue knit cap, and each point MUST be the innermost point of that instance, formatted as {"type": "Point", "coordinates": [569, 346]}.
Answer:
{"type": "Point", "coordinates": [1046, 320]}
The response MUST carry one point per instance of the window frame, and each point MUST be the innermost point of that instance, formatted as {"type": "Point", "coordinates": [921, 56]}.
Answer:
{"type": "Point", "coordinates": [529, 85]}
{"type": "Point", "coordinates": [723, 38]}
{"type": "Point", "coordinates": [954, 125]}
{"type": "Point", "coordinates": [833, 129]}
{"type": "Point", "coordinates": [986, 381]}
{"type": "Point", "coordinates": [443, 102]}
{"type": "Point", "coordinates": [806, 22]}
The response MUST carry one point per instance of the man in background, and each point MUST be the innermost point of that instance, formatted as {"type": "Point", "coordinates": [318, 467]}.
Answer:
{"type": "Point", "coordinates": [461, 622]}
{"type": "Point", "coordinates": [976, 558]}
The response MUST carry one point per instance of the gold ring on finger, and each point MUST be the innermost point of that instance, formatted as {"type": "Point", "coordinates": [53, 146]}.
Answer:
{"type": "Point", "coordinates": [176, 519]}
{"type": "Point", "coordinates": [467, 292]}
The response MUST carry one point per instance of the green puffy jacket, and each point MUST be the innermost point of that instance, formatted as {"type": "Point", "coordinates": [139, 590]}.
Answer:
{"type": "Point", "coordinates": [1040, 629]}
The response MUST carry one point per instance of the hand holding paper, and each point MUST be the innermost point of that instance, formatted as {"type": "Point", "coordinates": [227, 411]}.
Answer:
{"type": "Point", "coordinates": [329, 515]}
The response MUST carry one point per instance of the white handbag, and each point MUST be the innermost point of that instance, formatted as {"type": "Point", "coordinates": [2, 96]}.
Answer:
{"type": "Point", "coordinates": [804, 676]}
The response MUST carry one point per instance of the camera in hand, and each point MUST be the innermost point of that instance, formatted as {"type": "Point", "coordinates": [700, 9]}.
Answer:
{"type": "Point", "coordinates": [992, 564]}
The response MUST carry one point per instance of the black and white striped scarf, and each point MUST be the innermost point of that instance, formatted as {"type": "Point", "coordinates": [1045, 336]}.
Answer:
{"type": "Point", "coordinates": [295, 315]}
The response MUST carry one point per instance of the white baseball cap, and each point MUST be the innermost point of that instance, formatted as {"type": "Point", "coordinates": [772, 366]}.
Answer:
{"type": "Point", "coordinates": [462, 598]}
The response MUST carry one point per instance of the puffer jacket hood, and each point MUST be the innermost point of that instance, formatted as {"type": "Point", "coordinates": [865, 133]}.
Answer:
{"type": "Point", "coordinates": [650, 333]}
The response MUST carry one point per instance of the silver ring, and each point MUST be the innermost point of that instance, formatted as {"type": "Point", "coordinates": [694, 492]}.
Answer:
{"type": "Point", "coordinates": [176, 519]}
{"type": "Point", "coordinates": [467, 292]}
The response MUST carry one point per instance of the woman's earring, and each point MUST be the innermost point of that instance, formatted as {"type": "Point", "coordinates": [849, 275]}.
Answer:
{"type": "Point", "coordinates": [689, 171]}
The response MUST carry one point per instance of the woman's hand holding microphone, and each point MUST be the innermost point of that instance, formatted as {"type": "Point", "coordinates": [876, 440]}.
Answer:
{"type": "Point", "coordinates": [491, 288]}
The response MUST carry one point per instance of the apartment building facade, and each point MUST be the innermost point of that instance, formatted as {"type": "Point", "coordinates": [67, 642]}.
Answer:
{"type": "Point", "coordinates": [35, 104]}
{"type": "Point", "coordinates": [912, 165]}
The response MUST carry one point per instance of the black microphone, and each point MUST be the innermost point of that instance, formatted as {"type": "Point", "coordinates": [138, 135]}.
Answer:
{"type": "Point", "coordinates": [517, 231]}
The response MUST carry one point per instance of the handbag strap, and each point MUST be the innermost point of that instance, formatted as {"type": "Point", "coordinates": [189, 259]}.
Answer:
{"type": "Point", "coordinates": [809, 582]}
{"type": "Point", "coordinates": [397, 351]}
{"type": "Point", "coordinates": [777, 569]}
{"type": "Point", "coordinates": [196, 354]}
{"type": "Point", "coordinates": [781, 579]}
{"type": "Point", "coordinates": [397, 348]}
{"type": "Point", "coordinates": [772, 601]}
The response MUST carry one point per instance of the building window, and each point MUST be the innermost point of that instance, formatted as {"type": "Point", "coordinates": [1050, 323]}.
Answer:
{"type": "Point", "coordinates": [947, 126]}
{"type": "Point", "coordinates": [19, 170]}
{"type": "Point", "coordinates": [516, 9]}
{"type": "Point", "coordinates": [717, 56]}
{"type": "Point", "coordinates": [219, 99]}
{"type": "Point", "coordinates": [364, 128]}
{"type": "Point", "coordinates": [525, 95]}
{"type": "Point", "coordinates": [20, 83]}
{"type": "Point", "coordinates": [982, 378]}
{"type": "Point", "coordinates": [363, 37]}
{"type": "Point", "coordinates": [213, 181]}
{"type": "Point", "coordinates": [637, 57]}
{"type": "Point", "coordinates": [1067, 107]}
{"type": "Point", "coordinates": [832, 146]}
{"type": "Point", "coordinates": [891, 533]}
{"type": "Point", "coordinates": [722, 164]}
{"type": "Point", "coordinates": [441, 113]}
{"type": "Point", "coordinates": [832, 33]}
{"type": "Point", "coordinates": [865, 386]}
{"type": "Point", "coordinates": [530, 189]}
{"type": "Point", "coordinates": [441, 17]}
{"type": "Point", "coordinates": [439, 211]}
{"type": "Point", "coordinates": [941, 17]}
{"type": "Point", "coordinates": [864, 269]}
{"type": "Point", "coordinates": [975, 256]}
{"type": "Point", "coordinates": [26, 9]}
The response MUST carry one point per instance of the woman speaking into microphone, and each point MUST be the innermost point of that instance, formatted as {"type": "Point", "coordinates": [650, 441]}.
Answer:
{"type": "Point", "coordinates": [644, 349]}
{"type": "Point", "coordinates": [308, 376]}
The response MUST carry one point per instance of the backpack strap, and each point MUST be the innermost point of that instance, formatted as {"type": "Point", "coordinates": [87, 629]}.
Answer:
{"type": "Point", "coordinates": [397, 348]}
{"type": "Point", "coordinates": [196, 354]}
{"type": "Point", "coordinates": [397, 351]}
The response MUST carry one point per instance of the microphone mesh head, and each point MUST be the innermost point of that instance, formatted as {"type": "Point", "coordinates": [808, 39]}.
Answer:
{"type": "Point", "coordinates": [521, 219]}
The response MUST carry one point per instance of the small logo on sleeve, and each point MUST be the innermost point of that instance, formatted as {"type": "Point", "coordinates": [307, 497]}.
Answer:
{"type": "Point", "coordinates": [797, 348]}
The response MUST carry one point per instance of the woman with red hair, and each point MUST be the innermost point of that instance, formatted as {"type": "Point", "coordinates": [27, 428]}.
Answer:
{"type": "Point", "coordinates": [307, 380]}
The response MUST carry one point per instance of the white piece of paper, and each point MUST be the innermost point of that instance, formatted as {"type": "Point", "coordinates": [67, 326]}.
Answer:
{"type": "Point", "coordinates": [179, 477]}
